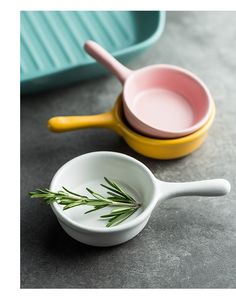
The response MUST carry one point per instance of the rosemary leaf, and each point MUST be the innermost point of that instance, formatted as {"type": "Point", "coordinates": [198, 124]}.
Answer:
{"type": "Point", "coordinates": [64, 202]}
{"type": "Point", "coordinates": [119, 190]}
{"type": "Point", "coordinates": [95, 208]}
{"type": "Point", "coordinates": [71, 205]}
{"type": "Point", "coordinates": [115, 212]}
{"type": "Point", "coordinates": [118, 210]}
{"type": "Point", "coordinates": [96, 195]}
{"type": "Point", "coordinates": [71, 192]}
{"type": "Point", "coordinates": [120, 218]}
{"type": "Point", "coordinates": [113, 190]}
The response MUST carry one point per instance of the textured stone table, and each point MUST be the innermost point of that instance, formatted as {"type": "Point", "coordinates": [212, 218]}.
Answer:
{"type": "Point", "coordinates": [188, 242]}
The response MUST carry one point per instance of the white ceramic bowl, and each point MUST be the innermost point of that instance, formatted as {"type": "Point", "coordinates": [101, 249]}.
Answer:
{"type": "Point", "coordinates": [90, 169]}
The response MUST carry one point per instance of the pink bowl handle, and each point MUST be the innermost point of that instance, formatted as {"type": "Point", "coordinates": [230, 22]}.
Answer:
{"type": "Point", "coordinates": [106, 59]}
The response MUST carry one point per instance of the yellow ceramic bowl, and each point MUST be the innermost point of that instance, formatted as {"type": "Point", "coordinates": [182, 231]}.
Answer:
{"type": "Point", "coordinates": [150, 147]}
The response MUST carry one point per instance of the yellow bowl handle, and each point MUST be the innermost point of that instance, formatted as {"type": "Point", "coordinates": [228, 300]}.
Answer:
{"type": "Point", "coordinates": [70, 123]}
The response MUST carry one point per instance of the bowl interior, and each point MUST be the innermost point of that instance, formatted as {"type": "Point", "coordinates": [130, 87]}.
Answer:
{"type": "Point", "coordinates": [167, 98]}
{"type": "Point", "coordinates": [89, 171]}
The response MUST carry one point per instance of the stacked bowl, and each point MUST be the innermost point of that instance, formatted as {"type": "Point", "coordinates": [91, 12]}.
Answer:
{"type": "Point", "coordinates": [163, 112]}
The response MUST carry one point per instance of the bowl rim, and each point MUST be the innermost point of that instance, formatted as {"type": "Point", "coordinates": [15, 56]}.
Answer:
{"type": "Point", "coordinates": [187, 73]}
{"type": "Point", "coordinates": [129, 224]}
{"type": "Point", "coordinates": [128, 131]}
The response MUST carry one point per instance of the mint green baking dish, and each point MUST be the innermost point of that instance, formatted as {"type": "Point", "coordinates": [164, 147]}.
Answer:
{"type": "Point", "coordinates": [52, 43]}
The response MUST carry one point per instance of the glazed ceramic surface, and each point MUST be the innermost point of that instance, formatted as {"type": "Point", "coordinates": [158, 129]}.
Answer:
{"type": "Point", "coordinates": [132, 174]}
{"type": "Point", "coordinates": [149, 147]}
{"type": "Point", "coordinates": [161, 101]}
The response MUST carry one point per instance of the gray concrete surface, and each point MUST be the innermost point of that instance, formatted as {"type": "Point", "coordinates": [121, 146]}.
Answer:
{"type": "Point", "coordinates": [189, 242]}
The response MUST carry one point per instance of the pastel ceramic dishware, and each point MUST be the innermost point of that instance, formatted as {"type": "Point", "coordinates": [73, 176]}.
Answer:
{"type": "Point", "coordinates": [161, 101]}
{"type": "Point", "coordinates": [149, 147]}
{"type": "Point", "coordinates": [52, 42]}
{"type": "Point", "coordinates": [88, 170]}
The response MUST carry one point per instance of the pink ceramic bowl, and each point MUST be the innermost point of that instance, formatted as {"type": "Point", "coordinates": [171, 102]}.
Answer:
{"type": "Point", "coordinates": [160, 101]}
{"type": "Point", "coordinates": [183, 103]}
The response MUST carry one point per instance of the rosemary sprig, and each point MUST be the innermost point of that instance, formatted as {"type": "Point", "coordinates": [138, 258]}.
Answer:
{"type": "Point", "coordinates": [124, 203]}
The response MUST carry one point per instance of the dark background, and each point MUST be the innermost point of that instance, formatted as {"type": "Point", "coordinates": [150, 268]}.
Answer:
{"type": "Point", "coordinates": [189, 241]}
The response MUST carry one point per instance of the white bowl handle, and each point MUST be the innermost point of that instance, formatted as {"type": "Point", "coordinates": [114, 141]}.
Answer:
{"type": "Point", "coordinates": [216, 187]}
